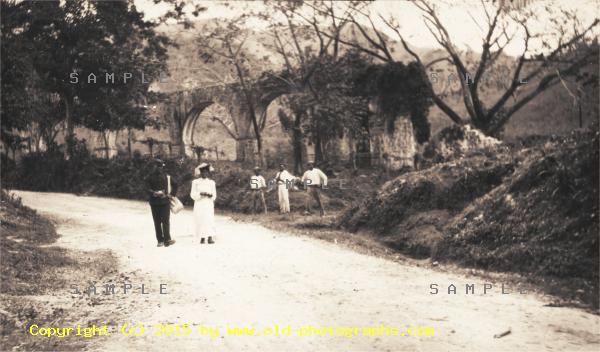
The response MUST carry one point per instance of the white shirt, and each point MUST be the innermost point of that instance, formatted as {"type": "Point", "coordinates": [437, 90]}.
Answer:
{"type": "Point", "coordinates": [314, 177]}
{"type": "Point", "coordinates": [284, 177]}
{"type": "Point", "coordinates": [257, 182]}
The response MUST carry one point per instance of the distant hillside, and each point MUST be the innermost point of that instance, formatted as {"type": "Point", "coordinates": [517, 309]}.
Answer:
{"type": "Point", "coordinates": [553, 112]}
{"type": "Point", "coordinates": [187, 70]}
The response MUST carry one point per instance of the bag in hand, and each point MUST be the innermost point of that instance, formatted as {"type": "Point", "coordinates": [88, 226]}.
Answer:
{"type": "Point", "coordinates": [175, 203]}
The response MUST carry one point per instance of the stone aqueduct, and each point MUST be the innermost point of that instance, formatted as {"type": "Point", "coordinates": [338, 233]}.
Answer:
{"type": "Point", "coordinates": [393, 151]}
{"type": "Point", "coordinates": [184, 108]}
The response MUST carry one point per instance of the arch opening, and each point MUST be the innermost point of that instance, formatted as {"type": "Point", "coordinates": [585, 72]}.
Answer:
{"type": "Point", "coordinates": [210, 133]}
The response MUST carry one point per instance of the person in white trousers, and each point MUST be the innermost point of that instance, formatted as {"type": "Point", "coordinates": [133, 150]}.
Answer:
{"type": "Point", "coordinates": [284, 181]}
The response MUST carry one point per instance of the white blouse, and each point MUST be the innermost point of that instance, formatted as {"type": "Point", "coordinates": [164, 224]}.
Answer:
{"type": "Point", "coordinates": [203, 185]}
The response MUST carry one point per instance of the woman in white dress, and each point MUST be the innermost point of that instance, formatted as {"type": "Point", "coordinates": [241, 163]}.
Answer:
{"type": "Point", "coordinates": [204, 193]}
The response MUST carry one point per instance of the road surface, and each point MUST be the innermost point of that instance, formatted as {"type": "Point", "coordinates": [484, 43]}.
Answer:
{"type": "Point", "coordinates": [256, 278]}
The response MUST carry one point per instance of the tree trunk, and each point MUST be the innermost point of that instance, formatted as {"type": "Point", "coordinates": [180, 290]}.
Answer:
{"type": "Point", "coordinates": [297, 145]}
{"type": "Point", "coordinates": [481, 122]}
{"type": "Point", "coordinates": [318, 149]}
{"type": "Point", "coordinates": [579, 107]}
{"type": "Point", "coordinates": [179, 116]}
{"type": "Point", "coordinates": [70, 134]}
{"type": "Point", "coordinates": [106, 146]}
{"type": "Point", "coordinates": [244, 149]}
{"type": "Point", "coordinates": [259, 155]}
{"type": "Point", "coordinates": [129, 143]}
{"type": "Point", "coordinates": [251, 109]}
{"type": "Point", "coordinates": [259, 158]}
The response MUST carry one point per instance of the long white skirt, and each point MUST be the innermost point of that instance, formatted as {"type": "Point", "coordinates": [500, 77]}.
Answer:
{"type": "Point", "coordinates": [204, 217]}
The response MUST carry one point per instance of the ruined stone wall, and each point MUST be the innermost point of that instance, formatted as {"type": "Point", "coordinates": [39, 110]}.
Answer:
{"type": "Point", "coordinates": [395, 150]}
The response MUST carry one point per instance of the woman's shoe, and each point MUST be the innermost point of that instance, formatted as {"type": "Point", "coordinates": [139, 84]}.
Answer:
{"type": "Point", "coordinates": [202, 240]}
{"type": "Point", "coordinates": [210, 240]}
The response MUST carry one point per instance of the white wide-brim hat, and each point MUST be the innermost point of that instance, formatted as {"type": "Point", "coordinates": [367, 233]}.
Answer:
{"type": "Point", "coordinates": [203, 166]}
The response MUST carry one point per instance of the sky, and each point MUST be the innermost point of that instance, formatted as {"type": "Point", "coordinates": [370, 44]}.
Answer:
{"type": "Point", "coordinates": [464, 20]}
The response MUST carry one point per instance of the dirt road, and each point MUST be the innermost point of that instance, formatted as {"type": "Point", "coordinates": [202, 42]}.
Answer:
{"type": "Point", "coordinates": [256, 278]}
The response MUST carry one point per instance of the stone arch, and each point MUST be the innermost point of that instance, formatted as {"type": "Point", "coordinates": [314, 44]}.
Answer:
{"type": "Point", "coordinates": [231, 99]}
{"type": "Point", "coordinates": [188, 126]}
{"type": "Point", "coordinates": [209, 117]}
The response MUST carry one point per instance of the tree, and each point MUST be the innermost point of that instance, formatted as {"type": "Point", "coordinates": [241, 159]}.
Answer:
{"type": "Point", "coordinates": [333, 85]}
{"type": "Point", "coordinates": [340, 108]}
{"type": "Point", "coordinates": [540, 68]}
{"type": "Point", "coordinates": [16, 70]}
{"type": "Point", "coordinates": [583, 89]}
{"type": "Point", "coordinates": [25, 105]}
{"type": "Point", "coordinates": [398, 89]}
{"type": "Point", "coordinates": [306, 77]}
{"type": "Point", "coordinates": [331, 108]}
{"type": "Point", "coordinates": [225, 45]}
{"type": "Point", "coordinates": [13, 142]}
{"type": "Point", "coordinates": [45, 118]}
{"type": "Point", "coordinates": [90, 54]}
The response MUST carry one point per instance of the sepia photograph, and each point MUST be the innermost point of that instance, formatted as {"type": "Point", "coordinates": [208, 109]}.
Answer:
{"type": "Point", "coordinates": [299, 175]}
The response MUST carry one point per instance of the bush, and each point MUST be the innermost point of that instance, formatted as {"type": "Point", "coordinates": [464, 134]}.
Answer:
{"type": "Point", "coordinates": [123, 177]}
{"type": "Point", "coordinates": [456, 142]}
{"type": "Point", "coordinates": [449, 186]}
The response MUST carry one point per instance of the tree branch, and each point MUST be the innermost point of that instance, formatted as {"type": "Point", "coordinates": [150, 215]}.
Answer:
{"type": "Point", "coordinates": [436, 99]}
{"type": "Point", "coordinates": [227, 128]}
{"type": "Point", "coordinates": [549, 59]}
{"type": "Point", "coordinates": [545, 83]}
{"type": "Point", "coordinates": [515, 80]}
{"type": "Point", "coordinates": [433, 62]}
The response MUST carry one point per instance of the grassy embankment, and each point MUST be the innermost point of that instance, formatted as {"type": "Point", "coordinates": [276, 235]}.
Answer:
{"type": "Point", "coordinates": [529, 211]}
{"type": "Point", "coordinates": [36, 278]}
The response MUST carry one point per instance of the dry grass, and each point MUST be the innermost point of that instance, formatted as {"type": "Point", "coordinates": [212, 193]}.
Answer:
{"type": "Point", "coordinates": [36, 278]}
{"type": "Point", "coordinates": [542, 222]}
{"type": "Point", "coordinates": [529, 211]}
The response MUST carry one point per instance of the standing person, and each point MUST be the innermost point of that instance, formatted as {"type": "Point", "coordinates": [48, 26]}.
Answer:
{"type": "Point", "coordinates": [284, 181]}
{"type": "Point", "coordinates": [204, 193]}
{"type": "Point", "coordinates": [314, 180]}
{"type": "Point", "coordinates": [157, 185]}
{"type": "Point", "coordinates": [258, 185]}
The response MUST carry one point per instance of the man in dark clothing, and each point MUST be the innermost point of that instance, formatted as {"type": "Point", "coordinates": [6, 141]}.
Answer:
{"type": "Point", "coordinates": [157, 186]}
